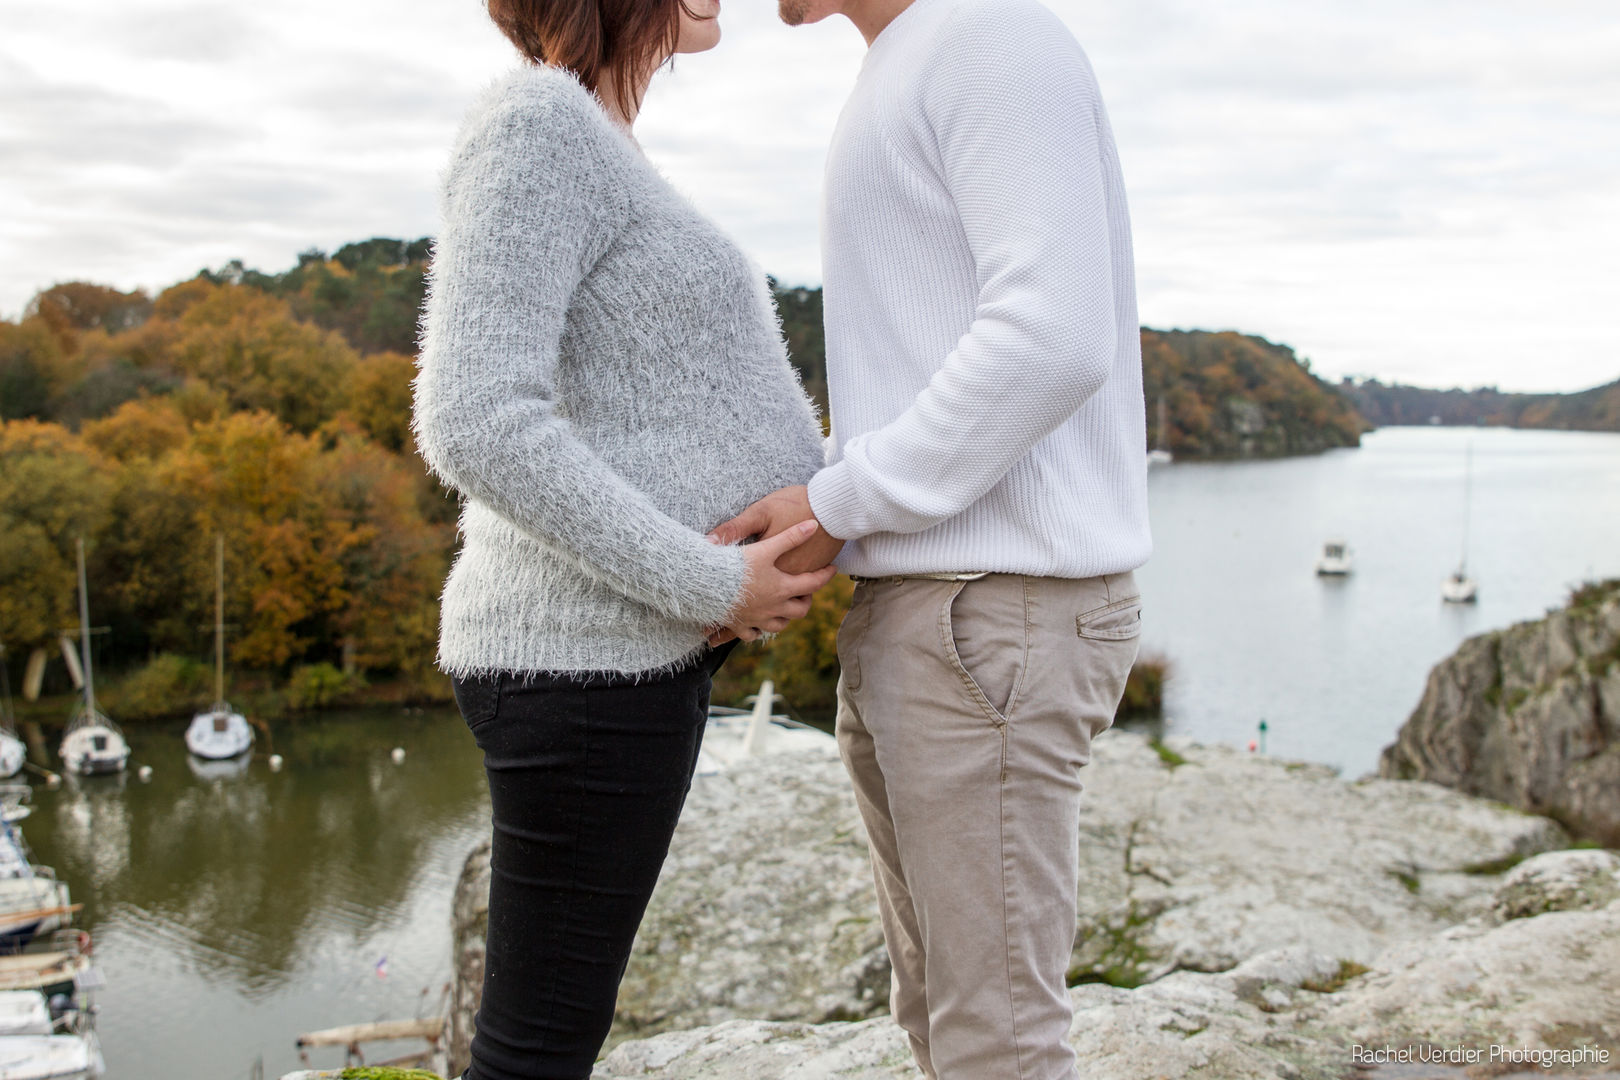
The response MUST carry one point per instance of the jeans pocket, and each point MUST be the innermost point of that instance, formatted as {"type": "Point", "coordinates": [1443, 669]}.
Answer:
{"type": "Point", "coordinates": [984, 628]}
{"type": "Point", "coordinates": [478, 698]}
{"type": "Point", "coordinates": [1119, 620]}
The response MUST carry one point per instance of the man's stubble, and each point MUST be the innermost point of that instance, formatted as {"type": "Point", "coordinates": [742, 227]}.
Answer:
{"type": "Point", "coordinates": [793, 11]}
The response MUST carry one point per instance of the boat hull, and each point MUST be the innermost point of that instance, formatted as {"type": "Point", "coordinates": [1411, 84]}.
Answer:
{"type": "Point", "coordinates": [219, 736]}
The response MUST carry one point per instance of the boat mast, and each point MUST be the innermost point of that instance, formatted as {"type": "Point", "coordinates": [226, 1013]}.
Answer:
{"type": "Point", "coordinates": [1468, 498]}
{"type": "Point", "coordinates": [84, 636]}
{"type": "Point", "coordinates": [219, 617]}
{"type": "Point", "coordinates": [7, 721]}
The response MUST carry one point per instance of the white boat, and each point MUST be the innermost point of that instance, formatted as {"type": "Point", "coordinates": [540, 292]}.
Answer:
{"type": "Point", "coordinates": [31, 905]}
{"type": "Point", "coordinates": [24, 1012]}
{"type": "Point", "coordinates": [735, 734]}
{"type": "Point", "coordinates": [63, 968]}
{"type": "Point", "coordinates": [1335, 559]}
{"type": "Point", "coordinates": [1459, 588]}
{"type": "Point", "coordinates": [32, 901]}
{"type": "Point", "coordinates": [38, 1036]}
{"type": "Point", "coordinates": [1160, 454]}
{"type": "Point", "coordinates": [15, 858]}
{"type": "Point", "coordinates": [51, 1057]}
{"type": "Point", "coordinates": [13, 802]}
{"type": "Point", "coordinates": [91, 742]}
{"type": "Point", "coordinates": [220, 732]}
{"type": "Point", "coordinates": [12, 751]}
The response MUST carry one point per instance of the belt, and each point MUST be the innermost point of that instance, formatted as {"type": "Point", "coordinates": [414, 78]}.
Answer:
{"type": "Point", "coordinates": [964, 576]}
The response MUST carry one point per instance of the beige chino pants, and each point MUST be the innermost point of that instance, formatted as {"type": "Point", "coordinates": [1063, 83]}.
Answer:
{"type": "Point", "coordinates": [966, 710]}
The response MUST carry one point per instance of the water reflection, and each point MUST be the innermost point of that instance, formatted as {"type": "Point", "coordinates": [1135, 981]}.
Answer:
{"type": "Point", "coordinates": [247, 883]}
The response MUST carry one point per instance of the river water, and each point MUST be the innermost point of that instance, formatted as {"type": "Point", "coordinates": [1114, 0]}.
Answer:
{"type": "Point", "coordinates": [231, 914]}
{"type": "Point", "coordinates": [1335, 666]}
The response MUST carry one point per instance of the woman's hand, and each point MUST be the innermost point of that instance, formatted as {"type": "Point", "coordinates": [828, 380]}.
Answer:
{"type": "Point", "coordinates": [772, 598]}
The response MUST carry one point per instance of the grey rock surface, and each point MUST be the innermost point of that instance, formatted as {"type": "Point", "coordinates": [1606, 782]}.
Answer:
{"type": "Point", "coordinates": [1529, 715]}
{"type": "Point", "coordinates": [1547, 983]}
{"type": "Point", "coordinates": [1581, 880]}
{"type": "Point", "coordinates": [765, 909]}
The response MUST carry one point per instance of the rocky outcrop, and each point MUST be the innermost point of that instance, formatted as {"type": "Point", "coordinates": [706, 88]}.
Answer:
{"type": "Point", "coordinates": [1582, 880]}
{"type": "Point", "coordinates": [1529, 715]}
{"type": "Point", "coordinates": [1195, 858]}
{"type": "Point", "coordinates": [469, 923]}
{"type": "Point", "coordinates": [1548, 984]}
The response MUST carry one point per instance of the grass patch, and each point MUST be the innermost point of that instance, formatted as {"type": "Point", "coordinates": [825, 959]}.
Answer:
{"type": "Point", "coordinates": [1590, 595]}
{"type": "Point", "coordinates": [1125, 962]}
{"type": "Point", "coordinates": [386, 1072]}
{"type": "Point", "coordinates": [1167, 756]}
{"type": "Point", "coordinates": [1495, 866]}
{"type": "Point", "coordinates": [1348, 969]}
{"type": "Point", "coordinates": [1407, 878]}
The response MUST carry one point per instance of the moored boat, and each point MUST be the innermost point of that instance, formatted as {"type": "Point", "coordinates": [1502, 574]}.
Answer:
{"type": "Point", "coordinates": [1335, 559]}
{"type": "Point", "coordinates": [91, 742]}
{"type": "Point", "coordinates": [734, 734]}
{"type": "Point", "coordinates": [221, 732]}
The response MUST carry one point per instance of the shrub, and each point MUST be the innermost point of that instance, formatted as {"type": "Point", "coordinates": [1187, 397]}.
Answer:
{"type": "Point", "coordinates": [167, 685]}
{"type": "Point", "coordinates": [1144, 689]}
{"type": "Point", "coordinates": [320, 686]}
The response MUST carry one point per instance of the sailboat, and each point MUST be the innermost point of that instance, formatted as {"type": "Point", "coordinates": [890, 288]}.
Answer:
{"type": "Point", "coordinates": [12, 751]}
{"type": "Point", "coordinates": [735, 734]}
{"type": "Point", "coordinates": [1459, 588]}
{"type": "Point", "coordinates": [32, 900]}
{"type": "Point", "coordinates": [1160, 454]}
{"type": "Point", "coordinates": [44, 1038]}
{"type": "Point", "coordinates": [220, 732]}
{"type": "Point", "coordinates": [1335, 560]}
{"type": "Point", "coordinates": [91, 742]}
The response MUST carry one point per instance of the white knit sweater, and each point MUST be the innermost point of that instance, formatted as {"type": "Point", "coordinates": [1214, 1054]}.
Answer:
{"type": "Point", "coordinates": [603, 378]}
{"type": "Point", "coordinates": [983, 360]}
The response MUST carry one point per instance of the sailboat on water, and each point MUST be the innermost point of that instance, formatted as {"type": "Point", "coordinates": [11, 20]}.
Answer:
{"type": "Point", "coordinates": [220, 732]}
{"type": "Point", "coordinates": [12, 751]}
{"type": "Point", "coordinates": [1160, 454]}
{"type": "Point", "coordinates": [1459, 587]}
{"type": "Point", "coordinates": [91, 743]}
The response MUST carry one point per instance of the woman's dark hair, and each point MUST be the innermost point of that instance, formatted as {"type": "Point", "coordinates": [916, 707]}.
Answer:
{"type": "Point", "coordinates": [595, 39]}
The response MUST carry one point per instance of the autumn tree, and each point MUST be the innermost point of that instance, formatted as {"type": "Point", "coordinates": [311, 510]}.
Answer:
{"type": "Point", "coordinates": [250, 347]}
{"type": "Point", "coordinates": [53, 490]}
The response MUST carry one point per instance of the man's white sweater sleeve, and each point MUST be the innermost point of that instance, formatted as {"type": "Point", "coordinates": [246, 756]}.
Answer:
{"type": "Point", "coordinates": [1016, 118]}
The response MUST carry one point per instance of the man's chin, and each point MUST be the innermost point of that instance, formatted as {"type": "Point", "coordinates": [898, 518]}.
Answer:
{"type": "Point", "coordinates": [793, 12]}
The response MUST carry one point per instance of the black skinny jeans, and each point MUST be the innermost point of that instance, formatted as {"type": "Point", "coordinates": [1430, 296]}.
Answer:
{"type": "Point", "coordinates": [587, 777]}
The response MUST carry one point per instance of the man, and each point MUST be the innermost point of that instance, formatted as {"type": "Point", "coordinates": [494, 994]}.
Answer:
{"type": "Point", "coordinates": [987, 473]}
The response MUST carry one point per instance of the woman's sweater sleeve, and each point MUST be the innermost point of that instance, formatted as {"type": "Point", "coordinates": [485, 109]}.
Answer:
{"type": "Point", "coordinates": [531, 201]}
{"type": "Point", "coordinates": [1011, 103]}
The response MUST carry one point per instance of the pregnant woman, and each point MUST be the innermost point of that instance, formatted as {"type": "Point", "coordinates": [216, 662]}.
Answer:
{"type": "Point", "coordinates": [603, 380]}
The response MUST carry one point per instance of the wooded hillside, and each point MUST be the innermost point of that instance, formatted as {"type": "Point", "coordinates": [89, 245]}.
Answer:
{"type": "Point", "coordinates": [1597, 409]}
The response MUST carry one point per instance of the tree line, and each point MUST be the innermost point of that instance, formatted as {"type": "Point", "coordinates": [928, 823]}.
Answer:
{"type": "Point", "coordinates": [274, 409]}
{"type": "Point", "coordinates": [1597, 409]}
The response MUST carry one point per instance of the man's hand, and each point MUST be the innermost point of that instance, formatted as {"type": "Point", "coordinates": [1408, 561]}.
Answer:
{"type": "Point", "coordinates": [777, 511]}
{"type": "Point", "coordinates": [766, 518]}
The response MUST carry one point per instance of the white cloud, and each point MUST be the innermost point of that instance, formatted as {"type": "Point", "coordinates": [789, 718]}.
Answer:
{"type": "Point", "coordinates": [1419, 190]}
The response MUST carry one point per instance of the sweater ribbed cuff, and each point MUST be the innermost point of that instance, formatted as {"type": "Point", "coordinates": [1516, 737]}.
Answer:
{"type": "Point", "coordinates": [835, 502]}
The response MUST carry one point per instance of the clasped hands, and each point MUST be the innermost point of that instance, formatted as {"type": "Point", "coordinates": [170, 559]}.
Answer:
{"type": "Point", "coordinates": [791, 559]}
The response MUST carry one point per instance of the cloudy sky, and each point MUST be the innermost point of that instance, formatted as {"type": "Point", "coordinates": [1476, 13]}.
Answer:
{"type": "Point", "coordinates": [1421, 190]}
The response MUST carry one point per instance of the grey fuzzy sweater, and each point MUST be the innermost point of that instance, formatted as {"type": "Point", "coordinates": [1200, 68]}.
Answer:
{"type": "Point", "coordinates": [603, 379]}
